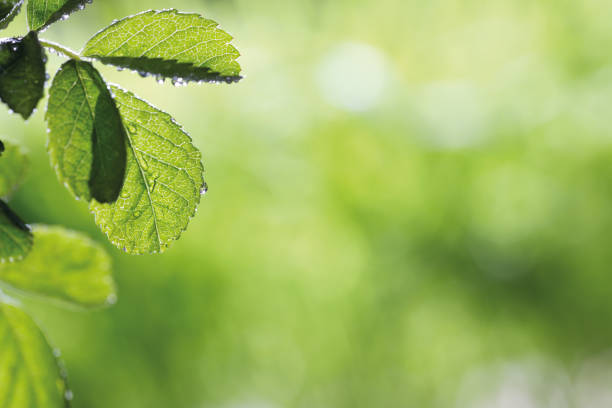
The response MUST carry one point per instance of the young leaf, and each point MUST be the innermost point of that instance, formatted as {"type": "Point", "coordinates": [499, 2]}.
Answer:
{"type": "Point", "coordinates": [15, 235]}
{"type": "Point", "coordinates": [185, 47]}
{"type": "Point", "coordinates": [86, 136]}
{"type": "Point", "coordinates": [29, 372]}
{"type": "Point", "coordinates": [65, 266]}
{"type": "Point", "coordinates": [8, 10]}
{"type": "Point", "coordinates": [13, 167]}
{"type": "Point", "coordinates": [42, 13]}
{"type": "Point", "coordinates": [22, 73]}
{"type": "Point", "coordinates": [162, 184]}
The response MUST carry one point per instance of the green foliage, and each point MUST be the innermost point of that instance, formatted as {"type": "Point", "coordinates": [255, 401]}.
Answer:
{"type": "Point", "coordinates": [8, 10]}
{"type": "Point", "coordinates": [42, 13]}
{"type": "Point", "coordinates": [162, 184]}
{"type": "Point", "coordinates": [29, 373]}
{"type": "Point", "coordinates": [170, 44]}
{"type": "Point", "coordinates": [15, 235]}
{"type": "Point", "coordinates": [13, 167]}
{"type": "Point", "coordinates": [65, 266]}
{"type": "Point", "coordinates": [22, 73]}
{"type": "Point", "coordinates": [137, 169]}
{"type": "Point", "coordinates": [86, 136]}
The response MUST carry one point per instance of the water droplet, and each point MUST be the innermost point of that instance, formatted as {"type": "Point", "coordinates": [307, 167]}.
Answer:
{"type": "Point", "coordinates": [204, 188]}
{"type": "Point", "coordinates": [132, 128]}
{"type": "Point", "coordinates": [57, 353]}
{"type": "Point", "coordinates": [68, 395]}
{"type": "Point", "coordinates": [125, 194]}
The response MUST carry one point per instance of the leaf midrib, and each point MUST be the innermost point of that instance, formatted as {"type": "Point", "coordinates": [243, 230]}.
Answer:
{"type": "Point", "coordinates": [146, 183]}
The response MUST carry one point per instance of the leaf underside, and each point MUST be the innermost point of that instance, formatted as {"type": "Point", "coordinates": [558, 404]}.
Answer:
{"type": "Point", "coordinates": [42, 13]}
{"type": "Point", "coordinates": [13, 167]}
{"type": "Point", "coordinates": [168, 44]}
{"type": "Point", "coordinates": [22, 73]}
{"type": "Point", "coordinates": [8, 10]}
{"type": "Point", "coordinates": [29, 372]}
{"type": "Point", "coordinates": [65, 266]}
{"type": "Point", "coordinates": [15, 235]}
{"type": "Point", "coordinates": [86, 136]}
{"type": "Point", "coordinates": [162, 185]}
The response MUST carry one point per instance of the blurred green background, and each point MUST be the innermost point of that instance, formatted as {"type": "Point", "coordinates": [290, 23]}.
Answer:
{"type": "Point", "coordinates": [410, 205]}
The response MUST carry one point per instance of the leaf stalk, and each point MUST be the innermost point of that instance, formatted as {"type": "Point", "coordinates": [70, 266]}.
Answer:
{"type": "Point", "coordinates": [60, 49]}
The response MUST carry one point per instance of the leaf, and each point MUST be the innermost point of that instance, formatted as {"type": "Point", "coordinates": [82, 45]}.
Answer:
{"type": "Point", "coordinates": [186, 47]}
{"type": "Point", "coordinates": [65, 266]}
{"type": "Point", "coordinates": [8, 10]}
{"type": "Point", "coordinates": [162, 183]}
{"type": "Point", "coordinates": [42, 13]}
{"type": "Point", "coordinates": [15, 235]}
{"type": "Point", "coordinates": [86, 136]}
{"type": "Point", "coordinates": [29, 372]}
{"type": "Point", "coordinates": [22, 73]}
{"type": "Point", "coordinates": [13, 167]}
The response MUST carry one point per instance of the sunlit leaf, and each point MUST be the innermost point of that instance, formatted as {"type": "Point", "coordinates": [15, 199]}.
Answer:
{"type": "Point", "coordinates": [8, 10]}
{"type": "Point", "coordinates": [162, 183]}
{"type": "Point", "coordinates": [22, 73]}
{"type": "Point", "coordinates": [29, 372]}
{"type": "Point", "coordinates": [186, 47]}
{"type": "Point", "coordinates": [13, 166]}
{"type": "Point", "coordinates": [42, 13]}
{"type": "Point", "coordinates": [15, 235]}
{"type": "Point", "coordinates": [86, 136]}
{"type": "Point", "coordinates": [63, 265]}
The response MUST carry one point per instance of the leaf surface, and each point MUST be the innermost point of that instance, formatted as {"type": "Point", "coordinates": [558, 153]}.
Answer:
{"type": "Point", "coordinates": [186, 47]}
{"type": "Point", "coordinates": [63, 265]}
{"type": "Point", "coordinates": [162, 185]}
{"type": "Point", "coordinates": [13, 165]}
{"type": "Point", "coordinates": [15, 235]}
{"type": "Point", "coordinates": [22, 73]}
{"type": "Point", "coordinates": [86, 137]}
{"type": "Point", "coordinates": [8, 10]}
{"type": "Point", "coordinates": [29, 372]}
{"type": "Point", "coordinates": [42, 13]}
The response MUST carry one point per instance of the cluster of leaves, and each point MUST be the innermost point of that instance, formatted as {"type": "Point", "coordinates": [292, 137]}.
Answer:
{"type": "Point", "coordinates": [63, 266]}
{"type": "Point", "coordinates": [132, 163]}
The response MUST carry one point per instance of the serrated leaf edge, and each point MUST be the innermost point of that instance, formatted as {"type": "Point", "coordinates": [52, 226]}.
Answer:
{"type": "Point", "coordinates": [161, 246]}
{"type": "Point", "coordinates": [226, 79]}
{"type": "Point", "coordinates": [4, 23]}
{"type": "Point", "coordinates": [66, 13]}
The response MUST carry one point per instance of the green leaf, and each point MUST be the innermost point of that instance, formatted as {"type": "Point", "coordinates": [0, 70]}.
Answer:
{"type": "Point", "coordinates": [15, 235]}
{"type": "Point", "coordinates": [8, 10]}
{"type": "Point", "coordinates": [86, 136]}
{"type": "Point", "coordinates": [22, 73]}
{"type": "Point", "coordinates": [42, 13]}
{"type": "Point", "coordinates": [185, 47]}
{"type": "Point", "coordinates": [65, 266]}
{"type": "Point", "coordinates": [162, 184]}
{"type": "Point", "coordinates": [29, 372]}
{"type": "Point", "coordinates": [13, 167]}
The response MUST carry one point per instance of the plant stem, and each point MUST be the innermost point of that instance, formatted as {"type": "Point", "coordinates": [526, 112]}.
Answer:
{"type": "Point", "coordinates": [60, 48]}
